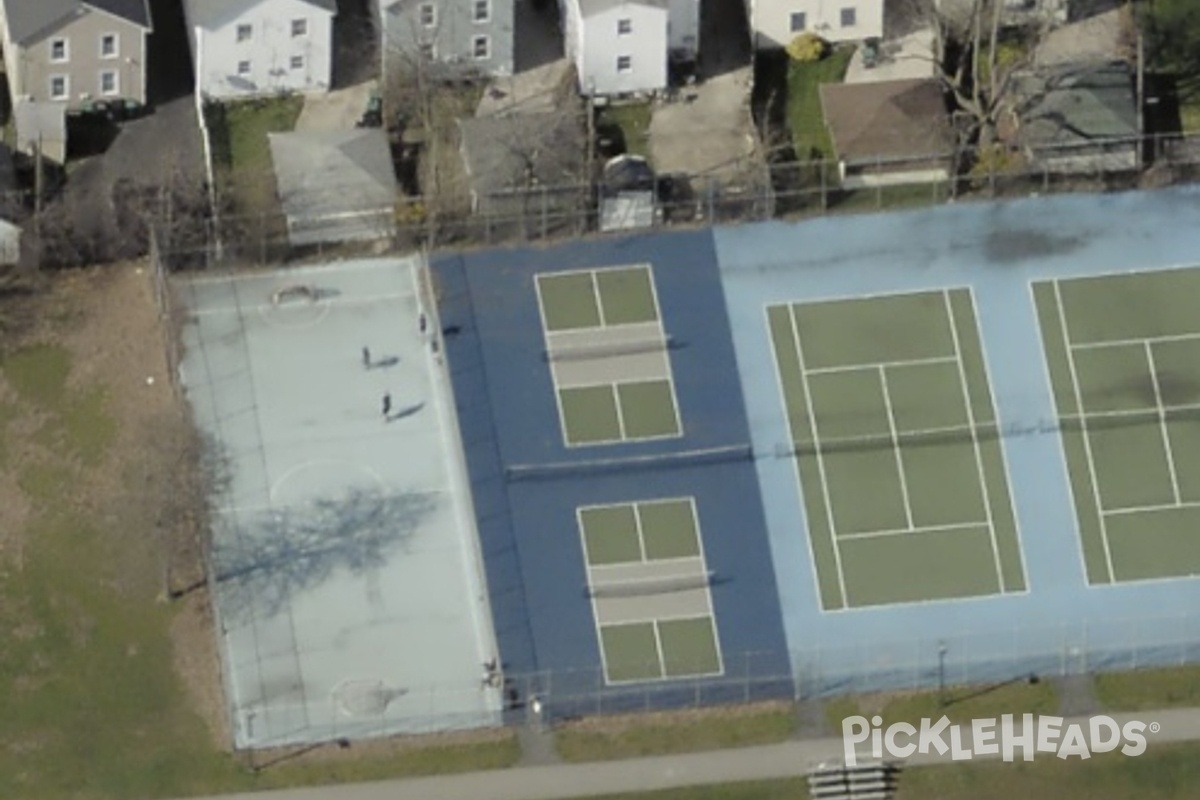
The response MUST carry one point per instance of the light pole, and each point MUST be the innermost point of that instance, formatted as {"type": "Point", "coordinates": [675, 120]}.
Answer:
{"type": "Point", "coordinates": [941, 674]}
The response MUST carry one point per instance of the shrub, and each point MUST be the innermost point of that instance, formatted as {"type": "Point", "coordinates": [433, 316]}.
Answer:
{"type": "Point", "coordinates": [807, 47]}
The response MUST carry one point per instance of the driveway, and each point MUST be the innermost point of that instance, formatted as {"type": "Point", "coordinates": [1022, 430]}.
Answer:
{"type": "Point", "coordinates": [338, 110]}
{"type": "Point", "coordinates": [707, 130]}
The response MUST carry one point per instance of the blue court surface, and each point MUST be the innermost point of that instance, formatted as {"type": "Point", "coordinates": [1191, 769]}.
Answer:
{"type": "Point", "coordinates": [1056, 606]}
{"type": "Point", "coordinates": [612, 471]}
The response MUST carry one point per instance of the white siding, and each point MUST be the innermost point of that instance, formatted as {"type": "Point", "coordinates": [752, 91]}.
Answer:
{"type": "Point", "coordinates": [684, 30]}
{"type": "Point", "coordinates": [771, 20]}
{"type": "Point", "coordinates": [270, 52]}
{"type": "Point", "coordinates": [603, 48]}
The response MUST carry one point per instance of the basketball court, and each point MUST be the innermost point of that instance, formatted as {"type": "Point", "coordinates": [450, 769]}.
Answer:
{"type": "Point", "coordinates": [348, 582]}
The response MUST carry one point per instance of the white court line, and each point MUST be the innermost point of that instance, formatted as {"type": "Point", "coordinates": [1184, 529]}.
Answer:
{"type": "Point", "coordinates": [1087, 442]}
{"type": "Point", "coordinates": [982, 474]}
{"type": "Point", "coordinates": [887, 404]}
{"type": "Point", "coordinates": [908, 362]}
{"type": "Point", "coordinates": [637, 526]}
{"type": "Point", "coordinates": [324, 302]}
{"type": "Point", "coordinates": [902, 531]}
{"type": "Point", "coordinates": [1114, 512]}
{"type": "Point", "coordinates": [591, 273]}
{"type": "Point", "coordinates": [1177, 337]}
{"type": "Point", "coordinates": [812, 420]}
{"type": "Point", "coordinates": [1162, 424]}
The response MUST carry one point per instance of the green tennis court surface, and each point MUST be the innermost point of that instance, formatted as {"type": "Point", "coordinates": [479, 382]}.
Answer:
{"type": "Point", "coordinates": [608, 355]}
{"type": "Point", "coordinates": [649, 588]}
{"type": "Point", "coordinates": [900, 468]}
{"type": "Point", "coordinates": [1124, 358]}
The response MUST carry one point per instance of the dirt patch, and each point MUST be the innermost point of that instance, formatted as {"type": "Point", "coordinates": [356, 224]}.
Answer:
{"type": "Point", "coordinates": [194, 650]}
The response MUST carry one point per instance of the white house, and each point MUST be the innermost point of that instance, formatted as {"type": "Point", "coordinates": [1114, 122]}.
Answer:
{"type": "Point", "coordinates": [617, 46]}
{"type": "Point", "coordinates": [774, 23]}
{"type": "Point", "coordinates": [243, 48]}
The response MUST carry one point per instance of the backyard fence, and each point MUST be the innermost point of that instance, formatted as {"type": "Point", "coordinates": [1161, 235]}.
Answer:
{"type": "Point", "coordinates": [738, 194]}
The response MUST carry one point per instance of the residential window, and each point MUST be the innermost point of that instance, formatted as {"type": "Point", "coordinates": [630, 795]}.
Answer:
{"type": "Point", "coordinates": [297, 62]}
{"type": "Point", "coordinates": [624, 26]}
{"type": "Point", "coordinates": [108, 46]}
{"type": "Point", "coordinates": [849, 18]}
{"type": "Point", "coordinates": [58, 87]}
{"type": "Point", "coordinates": [483, 10]}
{"type": "Point", "coordinates": [428, 15]}
{"type": "Point", "coordinates": [481, 46]}
{"type": "Point", "coordinates": [799, 21]}
{"type": "Point", "coordinates": [244, 32]}
{"type": "Point", "coordinates": [624, 63]}
{"type": "Point", "coordinates": [243, 68]}
{"type": "Point", "coordinates": [299, 27]}
{"type": "Point", "coordinates": [427, 51]}
{"type": "Point", "coordinates": [108, 82]}
{"type": "Point", "coordinates": [58, 50]}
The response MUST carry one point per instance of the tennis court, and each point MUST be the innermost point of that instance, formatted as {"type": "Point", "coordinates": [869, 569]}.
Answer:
{"type": "Point", "coordinates": [1124, 359]}
{"type": "Point", "coordinates": [894, 435]}
{"type": "Point", "coordinates": [608, 355]}
{"type": "Point", "coordinates": [649, 586]}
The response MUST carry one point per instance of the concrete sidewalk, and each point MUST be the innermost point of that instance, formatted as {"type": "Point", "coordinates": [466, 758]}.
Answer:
{"type": "Point", "coordinates": [784, 760]}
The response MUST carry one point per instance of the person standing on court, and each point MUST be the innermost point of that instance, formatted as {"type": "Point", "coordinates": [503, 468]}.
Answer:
{"type": "Point", "coordinates": [387, 404]}
{"type": "Point", "coordinates": [366, 356]}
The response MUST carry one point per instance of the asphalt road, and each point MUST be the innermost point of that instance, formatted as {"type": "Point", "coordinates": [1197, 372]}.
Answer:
{"type": "Point", "coordinates": [784, 760]}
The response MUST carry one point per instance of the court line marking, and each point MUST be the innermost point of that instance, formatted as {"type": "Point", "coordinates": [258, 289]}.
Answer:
{"type": "Point", "coordinates": [555, 388]}
{"type": "Point", "coordinates": [980, 471]}
{"type": "Point", "coordinates": [997, 425]}
{"type": "Point", "coordinates": [1150, 508]}
{"type": "Point", "coordinates": [1162, 423]}
{"type": "Point", "coordinates": [812, 421]}
{"type": "Point", "coordinates": [1087, 442]}
{"type": "Point", "coordinates": [793, 443]}
{"type": "Point", "coordinates": [663, 676]}
{"type": "Point", "coordinates": [595, 284]}
{"type": "Point", "coordinates": [904, 362]}
{"type": "Point", "coordinates": [899, 457]}
{"type": "Point", "coordinates": [1169, 337]}
{"type": "Point", "coordinates": [615, 393]}
{"type": "Point", "coordinates": [903, 531]}
{"type": "Point", "coordinates": [637, 526]}
{"type": "Point", "coordinates": [704, 570]}
{"type": "Point", "coordinates": [658, 649]}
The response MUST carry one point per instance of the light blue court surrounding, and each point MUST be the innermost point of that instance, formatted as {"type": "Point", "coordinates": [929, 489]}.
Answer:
{"type": "Point", "coordinates": [994, 251]}
{"type": "Point", "coordinates": [349, 590]}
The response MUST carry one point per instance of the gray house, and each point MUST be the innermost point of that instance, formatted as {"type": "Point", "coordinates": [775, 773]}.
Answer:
{"type": "Point", "coordinates": [450, 38]}
{"type": "Point", "coordinates": [73, 51]}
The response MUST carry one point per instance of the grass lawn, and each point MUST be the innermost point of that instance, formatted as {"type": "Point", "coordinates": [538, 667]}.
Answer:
{"type": "Point", "coordinates": [810, 138]}
{"type": "Point", "coordinates": [963, 704]}
{"type": "Point", "coordinates": [1189, 116]}
{"type": "Point", "coordinates": [634, 121]}
{"type": "Point", "coordinates": [242, 152]}
{"type": "Point", "coordinates": [657, 734]}
{"type": "Point", "coordinates": [1148, 689]}
{"type": "Point", "coordinates": [92, 702]}
{"type": "Point", "coordinates": [1169, 772]}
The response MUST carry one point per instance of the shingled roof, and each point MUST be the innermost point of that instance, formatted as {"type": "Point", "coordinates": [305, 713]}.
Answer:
{"type": "Point", "coordinates": [888, 120]}
{"type": "Point", "coordinates": [30, 19]}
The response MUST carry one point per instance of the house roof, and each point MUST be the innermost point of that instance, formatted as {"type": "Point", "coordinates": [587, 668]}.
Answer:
{"type": "Point", "coordinates": [590, 7]}
{"type": "Point", "coordinates": [213, 14]}
{"type": "Point", "coordinates": [500, 151]}
{"type": "Point", "coordinates": [321, 175]}
{"type": "Point", "coordinates": [887, 120]}
{"type": "Point", "coordinates": [1075, 103]}
{"type": "Point", "coordinates": [29, 20]}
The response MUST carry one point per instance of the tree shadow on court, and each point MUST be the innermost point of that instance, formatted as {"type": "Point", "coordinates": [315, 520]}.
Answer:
{"type": "Point", "coordinates": [283, 552]}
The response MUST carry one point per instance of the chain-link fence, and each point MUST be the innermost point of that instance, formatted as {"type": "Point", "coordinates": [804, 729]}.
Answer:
{"type": "Point", "coordinates": [742, 193]}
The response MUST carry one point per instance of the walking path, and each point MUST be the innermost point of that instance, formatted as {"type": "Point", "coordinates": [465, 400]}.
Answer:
{"type": "Point", "coordinates": [562, 781]}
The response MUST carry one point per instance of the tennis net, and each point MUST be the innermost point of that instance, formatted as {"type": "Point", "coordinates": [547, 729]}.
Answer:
{"type": "Point", "coordinates": [587, 352]}
{"type": "Point", "coordinates": [675, 460]}
{"type": "Point", "coordinates": [648, 586]}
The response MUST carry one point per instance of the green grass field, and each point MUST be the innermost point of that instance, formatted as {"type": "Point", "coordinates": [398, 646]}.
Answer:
{"type": "Point", "coordinates": [1148, 689]}
{"type": "Point", "coordinates": [603, 740]}
{"type": "Point", "coordinates": [810, 137]}
{"type": "Point", "coordinates": [242, 151]}
{"type": "Point", "coordinates": [90, 703]}
{"type": "Point", "coordinates": [634, 121]}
